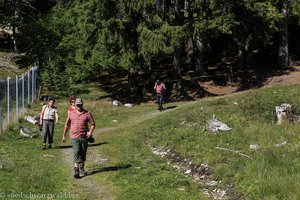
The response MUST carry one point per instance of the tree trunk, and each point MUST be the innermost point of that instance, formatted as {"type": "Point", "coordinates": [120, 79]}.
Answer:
{"type": "Point", "coordinates": [132, 85]}
{"type": "Point", "coordinates": [178, 49]}
{"type": "Point", "coordinates": [195, 43]}
{"type": "Point", "coordinates": [177, 58]}
{"type": "Point", "coordinates": [17, 18]}
{"type": "Point", "coordinates": [199, 57]}
{"type": "Point", "coordinates": [283, 50]}
{"type": "Point", "coordinates": [166, 6]}
{"type": "Point", "coordinates": [14, 39]}
{"type": "Point", "coordinates": [243, 56]}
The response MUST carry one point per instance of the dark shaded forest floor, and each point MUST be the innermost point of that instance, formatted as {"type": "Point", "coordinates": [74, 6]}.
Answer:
{"type": "Point", "coordinates": [194, 88]}
{"type": "Point", "coordinates": [255, 80]}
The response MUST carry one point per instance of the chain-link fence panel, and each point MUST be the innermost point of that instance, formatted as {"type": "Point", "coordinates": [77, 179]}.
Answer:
{"type": "Point", "coordinates": [16, 93]}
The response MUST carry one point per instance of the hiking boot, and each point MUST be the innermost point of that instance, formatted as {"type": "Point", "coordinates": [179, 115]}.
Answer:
{"type": "Point", "coordinates": [76, 172]}
{"type": "Point", "coordinates": [49, 146]}
{"type": "Point", "coordinates": [81, 170]}
{"type": "Point", "coordinates": [43, 146]}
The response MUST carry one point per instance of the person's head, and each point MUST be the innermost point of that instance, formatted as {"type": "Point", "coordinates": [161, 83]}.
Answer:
{"type": "Point", "coordinates": [51, 101]}
{"type": "Point", "coordinates": [78, 103]}
{"type": "Point", "coordinates": [72, 101]}
{"type": "Point", "coordinates": [158, 81]}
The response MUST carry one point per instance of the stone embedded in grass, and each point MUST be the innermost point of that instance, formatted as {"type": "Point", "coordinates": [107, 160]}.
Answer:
{"type": "Point", "coordinates": [254, 146]}
{"type": "Point", "coordinates": [285, 112]}
{"type": "Point", "coordinates": [215, 125]}
{"type": "Point", "coordinates": [129, 105]}
{"type": "Point", "coordinates": [281, 144]}
{"type": "Point", "coordinates": [199, 173]}
{"type": "Point", "coordinates": [117, 103]}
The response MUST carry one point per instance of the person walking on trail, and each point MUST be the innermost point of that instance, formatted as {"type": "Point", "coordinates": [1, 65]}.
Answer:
{"type": "Point", "coordinates": [48, 116]}
{"type": "Point", "coordinates": [72, 107]}
{"type": "Point", "coordinates": [160, 89]}
{"type": "Point", "coordinates": [78, 121]}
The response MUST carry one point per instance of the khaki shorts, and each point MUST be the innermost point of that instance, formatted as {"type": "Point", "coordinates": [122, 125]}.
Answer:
{"type": "Point", "coordinates": [80, 146]}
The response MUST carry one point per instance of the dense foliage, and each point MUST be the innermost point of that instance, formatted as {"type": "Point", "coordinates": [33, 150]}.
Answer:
{"type": "Point", "coordinates": [76, 41]}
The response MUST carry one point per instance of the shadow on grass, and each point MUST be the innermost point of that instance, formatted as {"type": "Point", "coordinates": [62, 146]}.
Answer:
{"type": "Point", "coordinates": [63, 147]}
{"type": "Point", "coordinates": [70, 146]}
{"type": "Point", "coordinates": [170, 107]}
{"type": "Point", "coordinates": [108, 169]}
{"type": "Point", "coordinates": [97, 144]}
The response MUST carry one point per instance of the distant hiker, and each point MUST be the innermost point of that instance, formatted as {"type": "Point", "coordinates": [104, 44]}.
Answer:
{"type": "Point", "coordinates": [77, 121]}
{"type": "Point", "coordinates": [48, 116]}
{"type": "Point", "coordinates": [160, 89]}
{"type": "Point", "coordinates": [72, 107]}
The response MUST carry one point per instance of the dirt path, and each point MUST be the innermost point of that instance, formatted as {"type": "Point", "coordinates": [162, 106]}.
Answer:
{"type": "Point", "coordinates": [87, 187]}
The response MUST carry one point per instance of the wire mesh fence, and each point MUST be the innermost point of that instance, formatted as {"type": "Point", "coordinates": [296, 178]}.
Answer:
{"type": "Point", "coordinates": [16, 94]}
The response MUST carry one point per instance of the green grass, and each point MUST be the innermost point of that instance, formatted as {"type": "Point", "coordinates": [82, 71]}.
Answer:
{"type": "Point", "coordinates": [9, 72]}
{"type": "Point", "coordinates": [133, 172]}
{"type": "Point", "coordinates": [272, 173]}
{"type": "Point", "coordinates": [4, 73]}
{"type": "Point", "coordinates": [26, 169]}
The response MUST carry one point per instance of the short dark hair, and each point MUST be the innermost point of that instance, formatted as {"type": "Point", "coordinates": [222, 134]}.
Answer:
{"type": "Point", "coordinates": [51, 99]}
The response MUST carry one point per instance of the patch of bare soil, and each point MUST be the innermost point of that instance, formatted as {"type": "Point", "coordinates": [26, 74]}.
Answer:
{"type": "Point", "coordinates": [292, 77]}
{"type": "Point", "coordinates": [287, 77]}
{"type": "Point", "coordinates": [212, 88]}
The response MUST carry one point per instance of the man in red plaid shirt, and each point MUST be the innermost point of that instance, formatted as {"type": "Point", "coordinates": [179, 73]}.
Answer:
{"type": "Point", "coordinates": [78, 121]}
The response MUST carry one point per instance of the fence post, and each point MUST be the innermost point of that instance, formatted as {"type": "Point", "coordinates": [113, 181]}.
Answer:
{"type": "Point", "coordinates": [32, 84]}
{"type": "Point", "coordinates": [1, 120]}
{"type": "Point", "coordinates": [35, 82]}
{"type": "Point", "coordinates": [23, 92]}
{"type": "Point", "coordinates": [28, 88]}
{"type": "Point", "coordinates": [8, 112]}
{"type": "Point", "coordinates": [17, 97]}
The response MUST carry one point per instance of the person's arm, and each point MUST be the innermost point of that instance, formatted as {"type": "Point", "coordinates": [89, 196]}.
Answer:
{"type": "Point", "coordinates": [56, 117]}
{"type": "Point", "coordinates": [90, 133]}
{"type": "Point", "coordinates": [164, 86]}
{"type": "Point", "coordinates": [155, 85]}
{"type": "Point", "coordinates": [92, 128]}
{"type": "Point", "coordinates": [42, 115]}
{"type": "Point", "coordinates": [66, 128]}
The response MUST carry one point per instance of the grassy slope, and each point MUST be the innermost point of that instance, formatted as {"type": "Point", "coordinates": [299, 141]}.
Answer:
{"type": "Point", "coordinates": [136, 173]}
{"type": "Point", "coordinates": [8, 72]}
{"type": "Point", "coordinates": [273, 172]}
{"type": "Point", "coordinates": [27, 169]}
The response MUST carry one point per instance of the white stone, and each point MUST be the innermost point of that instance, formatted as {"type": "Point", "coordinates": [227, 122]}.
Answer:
{"type": "Point", "coordinates": [129, 105]}
{"type": "Point", "coordinates": [117, 103]}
